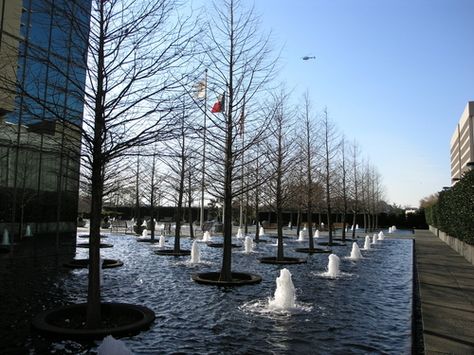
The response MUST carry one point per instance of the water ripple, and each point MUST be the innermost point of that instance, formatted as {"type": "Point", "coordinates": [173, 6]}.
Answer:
{"type": "Point", "coordinates": [367, 309]}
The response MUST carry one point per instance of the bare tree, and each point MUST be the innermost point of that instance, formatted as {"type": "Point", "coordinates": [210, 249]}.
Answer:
{"type": "Point", "coordinates": [355, 186]}
{"type": "Point", "coordinates": [239, 67]}
{"type": "Point", "coordinates": [344, 187]}
{"type": "Point", "coordinates": [281, 148]}
{"type": "Point", "coordinates": [134, 55]}
{"type": "Point", "coordinates": [308, 149]}
{"type": "Point", "coordinates": [328, 155]}
{"type": "Point", "coordinates": [177, 161]}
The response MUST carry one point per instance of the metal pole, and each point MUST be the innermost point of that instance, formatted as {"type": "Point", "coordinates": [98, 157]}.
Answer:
{"type": "Point", "coordinates": [242, 132]}
{"type": "Point", "coordinates": [201, 218]}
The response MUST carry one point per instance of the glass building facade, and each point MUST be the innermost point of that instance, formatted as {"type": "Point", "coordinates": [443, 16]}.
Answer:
{"type": "Point", "coordinates": [43, 57]}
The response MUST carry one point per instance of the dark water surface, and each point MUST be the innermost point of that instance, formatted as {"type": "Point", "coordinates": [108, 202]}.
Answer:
{"type": "Point", "coordinates": [367, 310]}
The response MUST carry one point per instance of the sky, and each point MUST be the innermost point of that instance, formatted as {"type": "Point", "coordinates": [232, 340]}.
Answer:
{"type": "Point", "coordinates": [395, 75]}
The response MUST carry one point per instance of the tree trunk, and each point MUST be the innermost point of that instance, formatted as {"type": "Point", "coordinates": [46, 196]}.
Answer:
{"type": "Point", "coordinates": [354, 223]}
{"type": "Point", "coordinates": [190, 214]}
{"type": "Point", "coordinates": [152, 199]}
{"type": "Point", "coordinates": [298, 221]}
{"type": "Point", "coordinates": [182, 176]}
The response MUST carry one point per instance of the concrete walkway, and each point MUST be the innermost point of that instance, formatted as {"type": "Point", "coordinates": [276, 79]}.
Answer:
{"type": "Point", "coordinates": [446, 282]}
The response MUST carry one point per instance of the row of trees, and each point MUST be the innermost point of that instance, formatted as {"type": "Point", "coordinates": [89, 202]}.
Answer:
{"type": "Point", "coordinates": [146, 124]}
{"type": "Point", "coordinates": [253, 144]}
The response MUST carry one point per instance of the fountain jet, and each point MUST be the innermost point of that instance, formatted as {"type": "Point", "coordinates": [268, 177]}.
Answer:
{"type": "Point", "coordinates": [367, 243]}
{"type": "Point", "coordinates": [161, 244]}
{"type": "Point", "coordinates": [112, 346]}
{"type": "Point", "coordinates": [195, 254]}
{"type": "Point", "coordinates": [333, 266]}
{"type": "Point", "coordinates": [239, 233]}
{"type": "Point", "coordinates": [206, 236]}
{"type": "Point", "coordinates": [301, 236]}
{"type": "Point", "coordinates": [381, 236]}
{"type": "Point", "coordinates": [248, 245]}
{"type": "Point", "coordinates": [6, 237]}
{"type": "Point", "coordinates": [355, 252]}
{"type": "Point", "coordinates": [28, 231]}
{"type": "Point", "coordinates": [284, 297]}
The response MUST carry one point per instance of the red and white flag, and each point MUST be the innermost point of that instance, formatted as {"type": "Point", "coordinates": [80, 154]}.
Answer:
{"type": "Point", "coordinates": [219, 105]}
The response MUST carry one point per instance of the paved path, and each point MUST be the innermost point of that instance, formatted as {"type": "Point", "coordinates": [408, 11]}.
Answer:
{"type": "Point", "coordinates": [446, 283]}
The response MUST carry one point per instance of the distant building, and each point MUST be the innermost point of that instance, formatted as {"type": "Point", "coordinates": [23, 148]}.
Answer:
{"type": "Point", "coordinates": [43, 57]}
{"type": "Point", "coordinates": [462, 144]}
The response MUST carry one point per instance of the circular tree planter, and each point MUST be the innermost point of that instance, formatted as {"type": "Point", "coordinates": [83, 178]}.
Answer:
{"type": "Point", "coordinates": [171, 252]}
{"type": "Point", "coordinates": [87, 245]}
{"type": "Point", "coordinates": [284, 260]}
{"type": "Point", "coordinates": [333, 244]}
{"type": "Point", "coordinates": [346, 240]}
{"type": "Point", "coordinates": [118, 319]}
{"type": "Point", "coordinates": [238, 279]}
{"type": "Point", "coordinates": [313, 250]}
{"type": "Point", "coordinates": [260, 240]}
{"type": "Point", "coordinates": [221, 245]}
{"type": "Point", "coordinates": [148, 240]}
{"type": "Point", "coordinates": [84, 263]}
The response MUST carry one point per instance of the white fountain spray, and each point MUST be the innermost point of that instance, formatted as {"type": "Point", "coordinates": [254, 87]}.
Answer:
{"type": "Point", "coordinates": [367, 243]}
{"type": "Point", "coordinates": [355, 252]}
{"type": "Point", "coordinates": [145, 233]}
{"type": "Point", "coordinates": [6, 237]}
{"type": "Point", "coordinates": [239, 233]}
{"type": "Point", "coordinates": [248, 244]}
{"type": "Point", "coordinates": [206, 236]}
{"type": "Point", "coordinates": [284, 297]}
{"type": "Point", "coordinates": [389, 230]}
{"type": "Point", "coordinates": [161, 243]}
{"type": "Point", "coordinates": [112, 346]}
{"type": "Point", "coordinates": [195, 254]}
{"type": "Point", "coordinates": [316, 234]}
{"type": "Point", "coordinates": [381, 236]}
{"type": "Point", "coordinates": [301, 236]}
{"type": "Point", "coordinates": [333, 266]}
{"type": "Point", "coordinates": [28, 231]}
{"type": "Point", "coordinates": [374, 239]}
{"type": "Point", "coordinates": [261, 232]}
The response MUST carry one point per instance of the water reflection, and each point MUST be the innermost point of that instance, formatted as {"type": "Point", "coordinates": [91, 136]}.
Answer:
{"type": "Point", "coordinates": [331, 315]}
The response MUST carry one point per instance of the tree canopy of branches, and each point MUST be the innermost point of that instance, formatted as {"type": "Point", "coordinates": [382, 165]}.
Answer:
{"type": "Point", "coordinates": [135, 52]}
{"type": "Point", "coordinates": [239, 67]}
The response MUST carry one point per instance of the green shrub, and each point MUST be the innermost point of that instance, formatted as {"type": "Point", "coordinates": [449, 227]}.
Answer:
{"type": "Point", "coordinates": [454, 211]}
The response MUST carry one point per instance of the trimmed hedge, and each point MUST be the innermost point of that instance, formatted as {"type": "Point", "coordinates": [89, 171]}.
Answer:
{"type": "Point", "coordinates": [454, 211]}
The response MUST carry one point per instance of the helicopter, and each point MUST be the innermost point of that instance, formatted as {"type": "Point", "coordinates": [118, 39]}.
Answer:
{"type": "Point", "coordinates": [308, 57]}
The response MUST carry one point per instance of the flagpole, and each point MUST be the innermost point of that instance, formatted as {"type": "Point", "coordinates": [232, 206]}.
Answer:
{"type": "Point", "coordinates": [201, 219]}
{"type": "Point", "coordinates": [242, 132]}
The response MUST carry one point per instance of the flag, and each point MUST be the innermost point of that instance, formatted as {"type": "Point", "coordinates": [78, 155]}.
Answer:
{"type": "Point", "coordinates": [201, 89]}
{"type": "Point", "coordinates": [219, 105]}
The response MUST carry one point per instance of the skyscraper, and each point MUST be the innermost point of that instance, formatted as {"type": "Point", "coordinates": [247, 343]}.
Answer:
{"type": "Point", "coordinates": [43, 57]}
